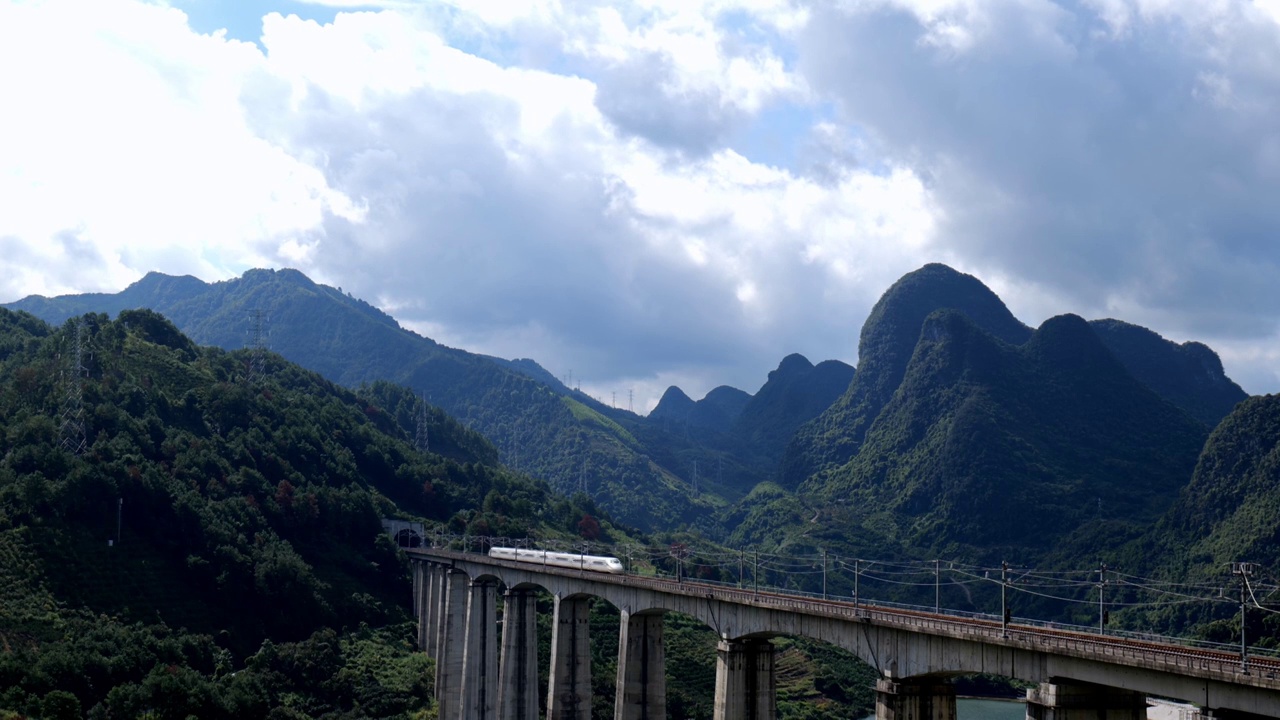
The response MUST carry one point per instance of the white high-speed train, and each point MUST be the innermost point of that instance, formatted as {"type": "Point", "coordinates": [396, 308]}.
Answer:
{"type": "Point", "coordinates": [597, 563]}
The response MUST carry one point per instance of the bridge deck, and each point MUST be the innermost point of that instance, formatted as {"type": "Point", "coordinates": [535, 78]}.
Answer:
{"type": "Point", "coordinates": [1163, 656]}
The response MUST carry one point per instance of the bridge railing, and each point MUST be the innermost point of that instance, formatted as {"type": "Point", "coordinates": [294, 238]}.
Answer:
{"type": "Point", "coordinates": [435, 537]}
{"type": "Point", "coordinates": [1065, 639]}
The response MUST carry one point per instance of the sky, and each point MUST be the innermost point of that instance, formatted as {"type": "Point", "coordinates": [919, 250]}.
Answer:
{"type": "Point", "coordinates": [656, 192]}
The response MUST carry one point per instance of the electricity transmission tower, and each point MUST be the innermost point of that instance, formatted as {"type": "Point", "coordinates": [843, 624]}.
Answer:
{"type": "Point", "coordinates": [73, 432]}
{"type": "Point", "coordinates": [257, 347]}
{"type": "Point", "coordinates": [422, 438]}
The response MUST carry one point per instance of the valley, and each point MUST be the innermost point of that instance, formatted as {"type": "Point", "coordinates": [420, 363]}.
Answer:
{"type": "Point", "coordinates": [251, 562]}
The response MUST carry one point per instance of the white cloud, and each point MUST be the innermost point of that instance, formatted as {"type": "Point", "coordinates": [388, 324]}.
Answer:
{"type": "Point", "coordinates": [503, 208]}
{"type": "Point", "coordinates": [1133, 167]}
{"type": "Point", "coordinates": [555, 180]}
{"type": "Point", "coordinates": [126, 133]}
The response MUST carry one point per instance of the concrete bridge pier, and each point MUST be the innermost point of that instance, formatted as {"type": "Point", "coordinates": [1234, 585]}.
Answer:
{"type": "Point", "coordinates": [439, 583]}
{"type": "Point", "coordinates": [746, 682]}
{"type": "Point", "coordinates": [1059, 700]}
{"type": "Point", "coordinates": [419, 602]}
{"type": "Point", "coordinates": [518, 695]}
{"type": "Point", "coordinates": [922, 698]}
{"type": "Point", "coordinates": [642, 669]}
{"type": "Point", "coordinates": [569, 691]}
{"type": "Point", "coordinates": [452, 648]}
{"type": "Point", "coordinates": [424, 595]}
{"type": "Point", "coordinates": [480, 656]}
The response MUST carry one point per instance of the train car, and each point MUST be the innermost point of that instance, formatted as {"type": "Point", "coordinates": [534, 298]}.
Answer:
{"type": "Point", "coordinates": [595, 563]}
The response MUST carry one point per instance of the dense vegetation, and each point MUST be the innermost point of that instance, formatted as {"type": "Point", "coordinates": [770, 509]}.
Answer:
{"type": "Point", "coordinates": [963, 434]}
{"type": "Point", "coordinates": [1188, 375]}
{"type": "Point", "coordinates": [1230, 512]}
{"type": "Point", "coordinates": [249, 575]}
{"type": "Point", "coordinates": [215, 548]}
{"type": "Point", "coordinates": [967, 435]}
{"type": "Point", "coordinates": [639, 473]}
{"type": "Point", "coordinates": [885, 347]}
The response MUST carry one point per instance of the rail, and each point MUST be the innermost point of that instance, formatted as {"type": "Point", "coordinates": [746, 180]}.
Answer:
{"type": "Point", "coordinates": [1171, 654]}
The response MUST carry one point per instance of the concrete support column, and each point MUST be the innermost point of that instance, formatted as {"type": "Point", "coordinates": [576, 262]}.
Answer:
{"type": "Point", "coordinates": [418, 570]}
{"type": "Point", "coordinates": [746, 683]}
{"type": "Point", "coordinates": [1083, 701]}
{"type": "Point", "coordinates": [423, 577]}
{"type": "Point", "coordinates": [453, 637]}
{"type": "Point", "coordinates": [480, 658]}
{"type": "Point", "coordinates": [915, 699]}
{"type": "Point", "coordinates": [435, 628]}
{"type": "Point", "coordinates": [518, 696]}
{"type": "Point", "coordinates": [642, 671]}
{"type": "Point", "coordinates": [569, 692]}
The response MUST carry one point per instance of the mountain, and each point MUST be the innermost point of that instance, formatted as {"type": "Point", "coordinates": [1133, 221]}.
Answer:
{"type": "Point", "coordinates": [716, 411]}
{"type": "Point", "coordinates": [885, 347]}
{"type": "Point", "coordinates": [640, 469]}
{"type": "Point", "coordinates": [993, 449]}
{"type": "Point", "coordinates": [177, 536]}
{"type": "Point", "coordinates": [964, 432]}
{"type": "Point", "coordinates": [213, 549]}
{"type": "Point", "coordinates": [1189, 375]}
{"type": "Point", "coordinates": [757, 425]}
{"type": "Point", "coordinates": [794, 394]}
{"type": "Point", "coordinates": [673, 405]}
{"type": "Point", "coordinates": [153, 288]}
{"type": "Point", "coordinates": [1230, 511]}
{"type": "Point", "coordinates": [532, 369]}
{"type": "Point", "coordinates": [539, 426]}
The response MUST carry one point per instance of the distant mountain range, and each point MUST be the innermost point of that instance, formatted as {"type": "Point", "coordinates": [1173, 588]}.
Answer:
{"type": "Point", "coordinates": [962, 434]}
{"type": "Point", "coordinates": [962, 431]}
{"type": "Point", "coordinates": [966, 433]}
{"type": "Point", "coordinates": [643, 470]}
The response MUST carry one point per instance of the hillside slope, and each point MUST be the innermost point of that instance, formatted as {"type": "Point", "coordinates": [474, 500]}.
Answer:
{"type": "Point", "coordinates": [795, 393]}
{"type": "Point", "coordinates": [154, 487]}
{"type": "Point", "coordinates": [1189, 375]}
{"type": "Point", "coordinates": [545, 430]}
{"type": "Point", "coordinates": [886, 344]}
{"type": "Point", "coordinates": [993, 449]}
{"type": "Point", "coordinates": [1230, 511]}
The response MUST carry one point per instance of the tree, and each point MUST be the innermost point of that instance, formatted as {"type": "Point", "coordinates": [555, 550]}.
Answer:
{"type": "Point", "coordinates": [589, 527]}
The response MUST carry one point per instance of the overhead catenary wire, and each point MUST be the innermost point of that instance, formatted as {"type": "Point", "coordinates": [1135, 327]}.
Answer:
{"type": "Point", "coordinates": [793, 571]}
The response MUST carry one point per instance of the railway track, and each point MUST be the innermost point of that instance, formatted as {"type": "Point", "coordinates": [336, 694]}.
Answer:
{"type": "Point", "coordinates": [984, 628]}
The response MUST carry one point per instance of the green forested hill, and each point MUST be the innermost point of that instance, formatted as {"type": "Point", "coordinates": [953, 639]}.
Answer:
{"type": "Point", "coordinates": [988, 449]}
{"type": "Point", "coordinates": [538, 425]}
{"type": "Point", "coordinates": [198, 551]}
{"type": "Point", "coordinates": [886, 345]}
{"type": "Point", "coordinates": [641, 469]}
{"type": "Point", "coordinates": [752, 429]}
{"type": "Point", "coordinates": [1188, 375]}
{"type": "Point", "coordinates": [249, 576]}
{"type": "Point", "coordinates": [795, 393]}
{"type": "Point", "coordinates": [966, 434]}
{"type": "Point", "coordinates": [717, 411]}
{"type": "Point", "coordinates": [1230, 511]}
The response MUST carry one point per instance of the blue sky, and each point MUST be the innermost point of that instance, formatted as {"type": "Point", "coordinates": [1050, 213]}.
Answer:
{"type": "Point", "coordinates": [242, 20]}
{"type": "Point", "coordinates": [661, 191]}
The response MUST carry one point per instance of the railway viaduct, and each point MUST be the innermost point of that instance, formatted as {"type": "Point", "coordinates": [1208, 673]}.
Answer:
{"type": "Point", "coordinates": [481, 676]}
